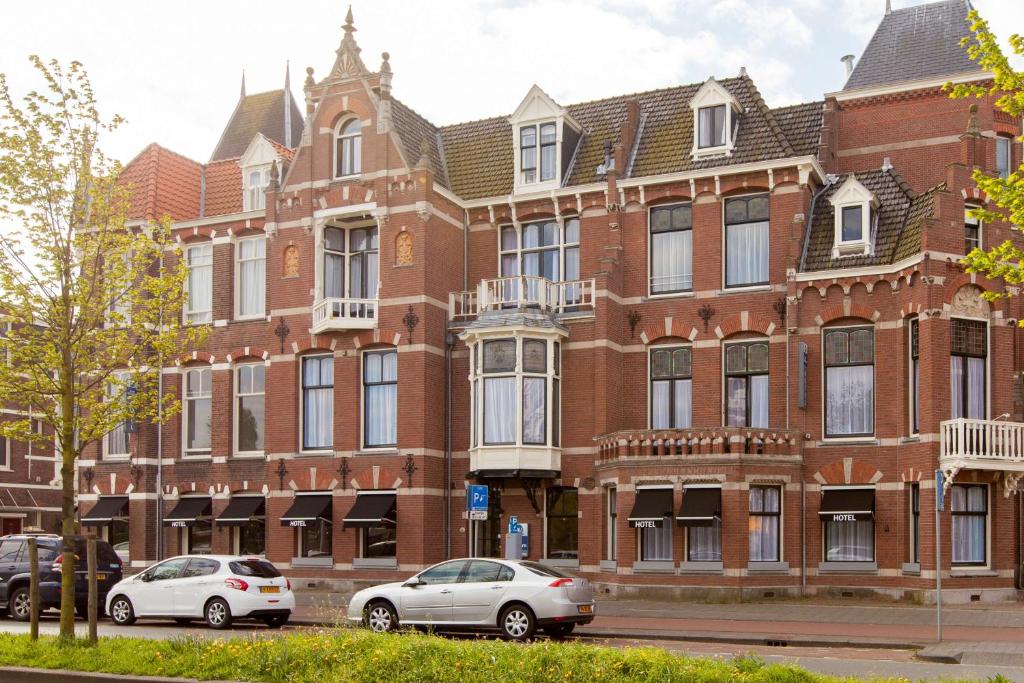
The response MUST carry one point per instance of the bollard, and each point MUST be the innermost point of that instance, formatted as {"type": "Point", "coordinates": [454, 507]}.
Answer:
{"type": "Point", "coordinates": [90, 546]}
{"type": "Point", "coordinates": [33, 587]}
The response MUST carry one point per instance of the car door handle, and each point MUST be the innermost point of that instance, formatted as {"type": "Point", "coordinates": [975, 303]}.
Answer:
{"type": "Point", "coordinates": [497, 588]}
{"type": "Point", "coordinates": [445, 592]}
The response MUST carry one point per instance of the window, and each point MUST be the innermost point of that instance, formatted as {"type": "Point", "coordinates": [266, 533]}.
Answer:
{"type": "Point", "coordinates": [915, 376]}
{"type": "Point", "coordinates": [915, 523]}
{"type": "Point", "coordinates": [849, 382]}
{"type": "Point", "coordinates": [972, 230]}
{"type": "Point", "coordinates": [199, 297]}
{"type": "Point", "coordinates": [547, 250]}
{"type": "Point", "coordinates": [746, 241]}
{"type": "Point", "coordinates": [317, 402]}
{"type": "Point", "coordinates": [251, 537]}
{"type": "Point", "coordinates": [380, 398]}
{"type": "Point", "coordinates": [704, 543]}
{"type": "Point", "coordinates": [671, 388]}
{"type": "Point", "coordinates": [256, 181]}
{"type": "Point", "coordinates": [116, 442]}
{"type": "Point", "coordinates": [746, 384]}
{"type": "Point", "coordinates": [528, 158]}
{"type": "Point", "coordinates": [447, 572]}
{"type": "Point", "coordinates": [198, 404]}
{"type": "Point", "coordinates": [853, 225]}
{"type": "Point", "coordinates": [501, 381]}
{"type": "Point", "coordinates": [969, 506]}
{"type": "Point", "coordinates": [348, 155]}
{"type": "Point", "coordinates": [611, 509]}
{"type": "Point", "coordinates": [967, 368]}
{"type": "Point", "coordinates": [5, 459]}
{"type": "Point", "coordinates": [1004, 156]}
{"type": "Point", "coordinates": [701, 514]}
{"type": "Point", "coordinates": [713, 124]}
{"type": "Point", "coordinates": [199, 537]}
{"type": "Point", "coordinates": [314, 536]}
{"type": "Point", "coordinates": [562, 511]}
{"type": "Point", "coordinates": [261, 569]}
{"type": "Point", "coordinates": [378, 541]}
{"type": "Point", "coordinates": [249, 409]}
{"type": "Point", "coordinates": [765, 523]}
{"type": "Point", "coordinates": [655, 537]}
{"type": "Point", "coordinates": [167, 570]}
{"type": "Point", "coordinates": [200, 567]}
{"type": "Point", "coordinates": [671, 249]}
{"type": "Point", "coordinates": [480, 571]}
{"type": "Point", "coordinates": [252, 277]}
{"type": "Point", "coordinates": [359, 257]}
{"type": "Point", "coordinates": [848, 523]}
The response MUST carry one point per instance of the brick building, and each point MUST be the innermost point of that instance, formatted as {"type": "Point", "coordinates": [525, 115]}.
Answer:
{"type": "Point", "coordinates": [693, 342]}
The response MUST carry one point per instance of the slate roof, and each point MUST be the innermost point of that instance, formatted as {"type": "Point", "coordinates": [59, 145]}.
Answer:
{"type": "Point", "coordinates": [915, 43]}
{"type": "Point", "coordinates": [258, 113]}
{"type": "Point", "coordinates": [898, 233]}
{"type": "Point", "coordinates": [493, 319]}
{"type": "Point", "coordinates": [412, 129]}
{"type": "Point", "coordinates": [479, 154]}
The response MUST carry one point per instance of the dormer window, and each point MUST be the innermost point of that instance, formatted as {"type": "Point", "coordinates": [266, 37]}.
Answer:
{"type": "Point", "coordinates": [545, 138]}
{"type": "Point", "coordinates": [854, 207]}
{"type": "Point", "coordinates": [255, 165]}
{"type": "Point", "coordinates": [256, 181]}
{"type": "Point", "coordinates": [348, 149]}
{"type": "Point", "coordinates": [528, 151]}
{"type": "Point", "coordinates": [715, 121]}
{"type": "Point", "coordinates": [712, 122]}
{"type": "Point", "coordinates": [853, 224]}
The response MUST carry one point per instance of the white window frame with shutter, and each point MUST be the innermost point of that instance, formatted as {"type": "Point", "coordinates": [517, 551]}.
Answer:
{"type": "Point", "coordinates": [712, 100]}
{"type": "Point", "coordinates": [257, 263]}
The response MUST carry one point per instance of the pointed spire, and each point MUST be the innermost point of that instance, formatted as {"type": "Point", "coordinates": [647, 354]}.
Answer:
{"type": "Point", "coordinates": [972, 123]}
{"type": "Point", "coordinates": [385, 76]}
{"type": "Point", "coordinates": [287, 105]}
{"type": "Point", "coordinates": [348, 64]}
{"type": "Point", "coordinates": [275, 176]}
{"type": "Point", "coordinates": [242, 95]}
{"type": "Point", "coordinates": [287, 74]}
{"type": "Point", "coordinates": [888, 6]}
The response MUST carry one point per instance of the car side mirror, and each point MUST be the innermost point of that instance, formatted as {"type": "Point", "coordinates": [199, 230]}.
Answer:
{"type": "Point", "coordinates": [145, 578]}
{"type": "Point", "coordinates": [413, 582]}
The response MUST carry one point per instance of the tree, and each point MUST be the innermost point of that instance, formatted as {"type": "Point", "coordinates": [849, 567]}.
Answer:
{"type": "Point", "coordinates": [92, 302]}
{"type": "Point", "coordinates": [1004, 261]}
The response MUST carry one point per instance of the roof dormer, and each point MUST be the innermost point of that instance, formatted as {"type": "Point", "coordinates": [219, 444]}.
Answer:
{"type": "Point", "coordinates": [715, 120]}
{"type": "Point", "coordinates": [854, 207]}
{"type": "Point", "coordinates": [544, 137]}
{"type": "Point", "coordinates": [255, 164]}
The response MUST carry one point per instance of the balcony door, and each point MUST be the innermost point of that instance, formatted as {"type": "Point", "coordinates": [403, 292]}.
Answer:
{"type": "Point", "coordinates": [350, 263]}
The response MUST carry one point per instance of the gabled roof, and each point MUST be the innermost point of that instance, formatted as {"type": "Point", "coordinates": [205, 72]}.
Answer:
{"type": "Point", "coordinates": [900, 215]}
{"type": "Point", "coordinates": [266, 113]}
{"type": "Point", "coordinates": [916, 43]}
{"type": "Point", "coordinates": [161, 183]}
{"type": "Point", "coordinates": [223, 188]}
{"type": "Point", "coordinates": [801, 124]}
{"type": "Point", "coordinates": [412, 129]}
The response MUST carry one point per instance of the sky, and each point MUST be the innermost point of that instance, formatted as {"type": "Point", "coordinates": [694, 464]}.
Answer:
{"type": "Point", "coordinates": [173, 69]}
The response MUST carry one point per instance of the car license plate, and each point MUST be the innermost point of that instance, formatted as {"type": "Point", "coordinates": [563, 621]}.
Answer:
{"type": "Point", "coordinates": [101, 577]}
{"type": "Point", "coordinates": [586, 609]}
{"type": "Point", "coordinates": [270, 589]}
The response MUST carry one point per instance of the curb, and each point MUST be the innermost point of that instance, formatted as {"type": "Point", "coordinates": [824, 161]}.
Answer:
{"type": "Point", "coordinates": [25, 674]}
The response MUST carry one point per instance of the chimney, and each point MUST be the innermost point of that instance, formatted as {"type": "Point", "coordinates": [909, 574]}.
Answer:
{"type": "Point", "coordinates": [886, 164]}
{"type": "Point", "coordinates": [848, 61]}
{"type": "Point", "coordinates": [627, 135]}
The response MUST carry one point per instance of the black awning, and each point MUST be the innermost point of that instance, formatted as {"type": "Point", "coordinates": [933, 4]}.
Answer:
{"type": "Point", "coordinates": [187, 511]}
{"type": "Point", "coordinates": [651, 509]}
{"type": "Point", "coordinates": [847, 505]}
{"type": "Point", "coordinates": [103, 512]}
{"type": "Point", "coordinates": [701, 506]}
{"type": "Point", "coordinates": [307, 509]}
{"type": "Point", "coordinates": [371, 509]}
{"type": "Point", "coordinates": [241, 509]}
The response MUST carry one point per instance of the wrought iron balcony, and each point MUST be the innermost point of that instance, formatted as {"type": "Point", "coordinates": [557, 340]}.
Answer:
{"type": "Point", "coordinates": [982, 445]}
{"type": "Point", "coordinates": [344, 314]}
{"type": "Point", "coordinates": [682, 443]}
{"type": "Point", "coordinates": [523, 292]}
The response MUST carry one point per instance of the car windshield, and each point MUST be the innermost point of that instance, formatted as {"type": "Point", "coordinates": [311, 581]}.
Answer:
{"type": "Point", "coordinates": [544, 570]}
{"type": "Point", "coordinates": [48, 553]}
{"type": "Point", "coordinates": [261, 569]}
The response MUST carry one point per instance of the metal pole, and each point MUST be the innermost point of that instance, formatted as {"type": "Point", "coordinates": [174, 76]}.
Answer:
{"type": "Point", "coordinates": [90, 552]}
{"type": "Point", "coordinates": [938, 557]}
{"type": "Point", "coordinates": [159, 442]}
{"type": "Point", "coordinates": [33, 587]}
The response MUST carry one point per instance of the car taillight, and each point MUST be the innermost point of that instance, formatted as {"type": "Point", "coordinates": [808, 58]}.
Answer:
{"type": "Point", "coordinates": [288, 583]}
{"type": "Point", "coordinates": [237, 584]}
{"type": "Point", "coordinates": [59, 562]}
{"type": "Point", "coordinates": [558, 583]}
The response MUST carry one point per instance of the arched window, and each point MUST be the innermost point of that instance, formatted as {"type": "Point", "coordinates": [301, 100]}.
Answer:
{"type": "Point", "coordinates": [348, 153]}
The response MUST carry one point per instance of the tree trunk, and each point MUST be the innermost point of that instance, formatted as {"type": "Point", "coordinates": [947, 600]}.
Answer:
{"type": "Point", "coordinates": [67, 475]}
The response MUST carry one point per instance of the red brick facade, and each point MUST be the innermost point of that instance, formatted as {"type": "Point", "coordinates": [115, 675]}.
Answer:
{"type": "Point", "coordinates": [433, 242]}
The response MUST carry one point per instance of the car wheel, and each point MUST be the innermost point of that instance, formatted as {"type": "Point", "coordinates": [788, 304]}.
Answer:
{"type": "Point", "coordinates": [218, 614]}
{"type": "Point", "coordinates": [559, 630]}
{"type": "Point", "coordinates": [183, 621]}
{"type": "Point", "coordinates": [517, 622]}
{"type": "Point", "coordinates": [20, 605]}
{"type": "Point", "coordinates": [276, 621]}
{"type": "Point", "coordinates": [121, 611]}
{"type": "Point", "coordinates": [380, 617]}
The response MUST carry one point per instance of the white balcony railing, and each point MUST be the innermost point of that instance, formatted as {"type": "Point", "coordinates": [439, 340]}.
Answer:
{"type": "Point", "coordinates": [981, 444]}
{"type": "Point", "coordinates": [344, 314]}
{"type": "Point", "coordinates": [526, 292]}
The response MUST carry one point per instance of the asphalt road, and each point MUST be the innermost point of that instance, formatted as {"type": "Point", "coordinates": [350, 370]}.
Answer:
{"type": "Point", "coordinates": [837, 661]}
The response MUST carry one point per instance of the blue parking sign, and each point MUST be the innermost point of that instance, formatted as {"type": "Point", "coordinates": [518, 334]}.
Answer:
{"type": "Point", "coordinates": [476, 501]}
{"type": "Point", "coordinates": [513, 525]}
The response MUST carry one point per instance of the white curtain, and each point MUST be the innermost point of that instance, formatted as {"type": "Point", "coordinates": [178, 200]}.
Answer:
{"type": "Point", "coordinates": [705, 543]}
{"type": "Point", "coordinates": [318, 403]}
{"type": "Point", "coordinates": [656, 544]}
{"type": "Point", "coordinates": [683, 403]}
{"type": "Point", "coordinates": [200, 283]}
{"type": "Point", "coordinates": [334, 275]}
{"type": "Point", "coordinates": [499, 410]}
{"type": "Point", "coordinates": [737, 396]}
{"type": "Point", "coordinates": [759, 401]}
{"type": "Point", "coordinates": [746, 253]}
{"type": "Point", "coordinates": [660, 405]}
{"type": "Point", "coordinates": [850, 541]}
{"type": "Point", "coordinates": [976, 388]}
{"type": "Point", "coordinates": [671, 261]}
{"type": "Point", "coordinates": [969, 530]}
{"type": "Point", "coordinates": [252, 277]}
{"type": "Point", "coordinates": [956, 386]}
{"type": "Point", "coordinates": [534, 427]}
{"type": "Point", "coordinates": [850, 401]}
{"type": "Point", "coordinates": [764, 528]}
{"type": "Point", "coordinates": [381, 375]}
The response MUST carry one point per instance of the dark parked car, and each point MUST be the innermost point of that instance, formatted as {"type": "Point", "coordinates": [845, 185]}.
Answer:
{"type": "Point", "coordinates": [14, 573]}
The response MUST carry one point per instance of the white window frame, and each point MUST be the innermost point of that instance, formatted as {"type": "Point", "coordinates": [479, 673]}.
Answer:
{"type": "Point", "coordinates": [853, 194]}
{"type": "Point", "coordinates": [199, 453]}
{"type": "Point", "coordinates": [236, 406]}
{"type": "Point", "coordinates": [562, 246]}
{"type": "Point", "coordinates": [122, 376]}
{"type": "Point", "coordinates": [681, 291]}
{"type": "Point", "coordinates": [975, 222]}
{"type": "Point", "coordinates": [874, 527]}
{"type": "Point", "coordinates": [1007, 142]}
{"type": "Point", "coordinates": [198, 316]}
{"type": "Point", "coordinates": [713, 94]}
{"type": "Point", "coordinates": [988, 357]}
{"type": "Point", "coordinates": [338, 138]}
{"type": "Point", "coordinates": [298, 530]}
{"type": "Point", "coordinates": [721, 526]}
{"type": "Point", "coordinates": [238, 276]}
{"type": "Point", "coordinates": [255, 195]}
{"type": "Point", "coordinates": [650, 382]}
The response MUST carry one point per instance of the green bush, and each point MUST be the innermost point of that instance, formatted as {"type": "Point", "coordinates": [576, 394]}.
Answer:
{"type": "Point", "coordinates": [325, 656]}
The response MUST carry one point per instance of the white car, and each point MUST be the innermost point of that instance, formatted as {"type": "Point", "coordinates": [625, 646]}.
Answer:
{"type": "Point", "coordinates": [215, 588]}
{"type": "Point", "coordinates": [514, 597]}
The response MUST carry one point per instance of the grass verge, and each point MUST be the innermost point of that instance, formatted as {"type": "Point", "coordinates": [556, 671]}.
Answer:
{"type": "Point", "coordinates": [326, 656]}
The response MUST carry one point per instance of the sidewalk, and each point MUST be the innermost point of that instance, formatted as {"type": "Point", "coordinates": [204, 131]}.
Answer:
{"type": "Point", "coordinates": [978, 633]}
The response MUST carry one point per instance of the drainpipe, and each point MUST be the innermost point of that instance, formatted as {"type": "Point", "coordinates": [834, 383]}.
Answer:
{"type": "Point", "coordinates": [449, 343]}
{"type": "Point", "coordinates": [465, 250]}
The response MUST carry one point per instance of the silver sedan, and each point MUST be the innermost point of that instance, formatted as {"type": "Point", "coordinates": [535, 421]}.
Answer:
{"type": "Point", "coordinates": [515, 597]}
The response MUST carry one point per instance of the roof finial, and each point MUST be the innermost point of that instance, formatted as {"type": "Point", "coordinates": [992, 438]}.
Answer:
{"type": "Point", "coordinates": [888, 7]}
{"type": "Point", "coordinates": [743, 71]}
{"type": "Point", "coordinates": [972, 122]}
{"type": "Point", "coordinates": [348, 64]}
{"type": "Point", "coordinates": [242, 95]}
{"type": "Point", "coordinates": [349, 26]}
{"type": "Point", "coordinates": [287, 74]}
{"type": "Point", "coordinates": [424, 161]}
{"type": "Point", "coordinates": [275, 176]}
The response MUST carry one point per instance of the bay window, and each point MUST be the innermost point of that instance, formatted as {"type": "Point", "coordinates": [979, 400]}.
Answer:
{"type": "Point", "coordinates": [198, 410]}
{"type": "Point", "coordinates": [380, 398]}
{"type": "Point", "coordinates": [849, 382]}
{"type": "Point", "coordinates": [765, 523]}
{"type": "Point", "coordinates": [517, 381]}
{"type": "Point", "coordinates": [968, 368]}
{"type": "Point", "coordinates": [199, 285]}
{"type": "Point", "coordinates": [353, 250]}
{"type": "Point", "coordinates": [746, 380]}
{"type": "Point", "coordinates": [317, 402]}
{"type": "Point", "coordinates": [671, 259]}
{"type": "Point", "coordinates": [746, 241]}
{"type": "Point", "coordinates": [348, 149]}
{"type": "Point", "coordinates": [671, 387]}
{"type": "Point", "coordinates": [249, 407]}
{"type": "Point", "coordinates": [562, 516]}
{"type": "Point", "coordinates": [252, 277]}
{"type": "Point", "coordinates": [969, 509]}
